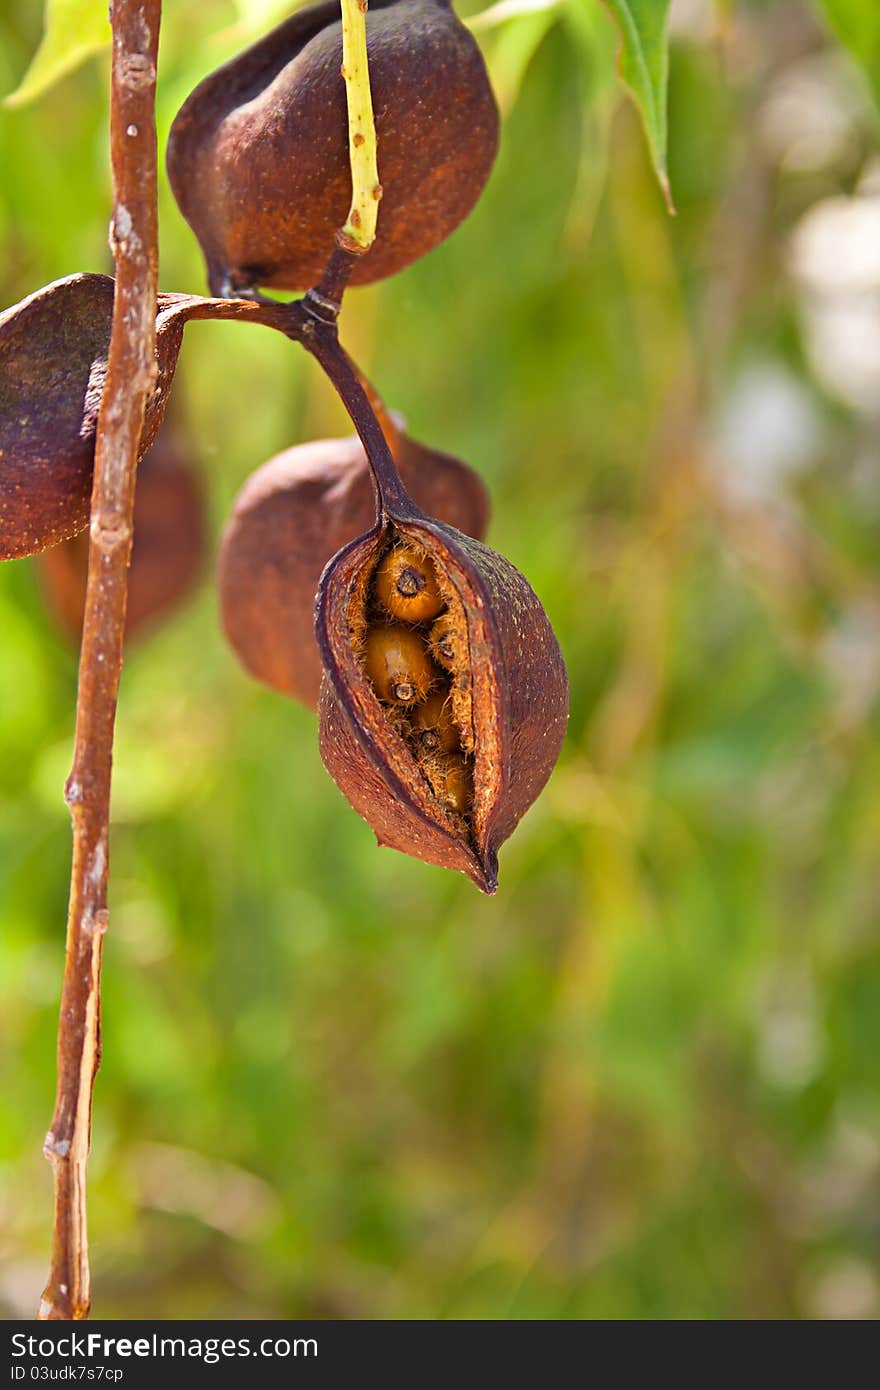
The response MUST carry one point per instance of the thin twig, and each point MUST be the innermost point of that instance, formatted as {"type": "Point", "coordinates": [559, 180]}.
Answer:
{"type": "Point", "coordinates": [130, 376]}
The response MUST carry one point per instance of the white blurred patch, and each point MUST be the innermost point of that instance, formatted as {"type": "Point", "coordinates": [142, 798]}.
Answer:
{"type": "Point", "coordinates": [810, 117]}
{"type": "Point", "coordinates": [191, 1184]}
{"type": "Point", "coordinates": [20, 1284]}
{"type": "Point", "coordinates": [790, 1040]}
{"type": "Point", "coordinates": [839, 1181]}
{"type": "Point", "coordinates": [850, 656]}
{"type": "Point", "coordinates": [692, 19]}
{"type": "Point", "coordinates": [767, 432]}
{"type": "Point", "coordinates": [847, 1289]}
{"type": "Point", "coordinates": [835, 261]}
{"type": "Point", "coordinates": [836, 247]}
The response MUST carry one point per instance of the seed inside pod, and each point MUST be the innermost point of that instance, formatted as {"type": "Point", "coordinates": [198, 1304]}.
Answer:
{"type": "Point", "coordinates": [433, 725]}
{"type": "Point", "coordinates": [398, 665]}
{"type": "Point", "coordinates": [444, 642]}
{"type": "Point", "coordinates": [406, 585]}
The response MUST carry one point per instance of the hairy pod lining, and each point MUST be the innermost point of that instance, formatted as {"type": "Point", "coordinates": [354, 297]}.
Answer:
{"type": "Point", "coordinates": [431, 714]}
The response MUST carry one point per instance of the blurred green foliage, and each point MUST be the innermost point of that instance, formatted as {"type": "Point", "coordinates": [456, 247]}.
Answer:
{"type": "Point", "coordinates": [642, 1081]}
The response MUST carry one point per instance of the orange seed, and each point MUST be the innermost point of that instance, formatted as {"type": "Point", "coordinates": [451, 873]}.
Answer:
{"type": "Point", "coordinates": [406, 586]}
{"type": "Point", "coordinates": [398, 665]}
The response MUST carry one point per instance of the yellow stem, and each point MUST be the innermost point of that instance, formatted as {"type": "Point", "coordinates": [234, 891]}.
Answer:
{"type": "Point", "coordinates": [360, 227]}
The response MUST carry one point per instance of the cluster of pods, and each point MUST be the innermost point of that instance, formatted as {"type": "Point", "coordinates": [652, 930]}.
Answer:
{"type": "Point", "coordinates": [440, 687]}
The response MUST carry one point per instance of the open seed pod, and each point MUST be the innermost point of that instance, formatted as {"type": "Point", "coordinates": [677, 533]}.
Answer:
{"type": "Point", "coordinates": [168, 551]}
{"type": "Point", "coordinates": [454, 799]}
{"type": "Point", "coordinates": [258, 154]}
{"type": "Point", "coordinates": [290, 517]}
{"type": "Point", "coordinates": [53, 362]}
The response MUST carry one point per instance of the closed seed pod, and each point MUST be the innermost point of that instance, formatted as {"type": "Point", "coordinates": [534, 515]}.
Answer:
{"type": "Point", "coordinates": [258, 154]}
{"type": "Point", "coordinates": [53, 362]}
{"type": "Point", "coordinates": [168, 551]}
{"type": "Point", "coordinates": [290, 518]}
{"type": "Point", "coordinates": [509, 696]}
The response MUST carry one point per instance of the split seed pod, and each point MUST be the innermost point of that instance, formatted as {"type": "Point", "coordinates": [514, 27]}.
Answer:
{"type": "Point", "coordinates": [258, 154]}
{"type": "Point", "coordinates": [169, 545]}
{"type": "Point", "coordinates": [290, 518]}
{"type": "Point", "coordinates": [508, 694]}
{"type": "Point", "coordinates": [53, 362]}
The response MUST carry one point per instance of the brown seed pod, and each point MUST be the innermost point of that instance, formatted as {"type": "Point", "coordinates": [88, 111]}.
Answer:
{"type": "Point", "coordinates": [290, 518]}
{"type": "Point", "coordinates": [53, 361]}
{"type": "Point", "coordinates": [509, 698]}
{"type": "Point", "coordinates": [433, 725]}
{"type": "Point", "coordinates": [258, 154]}
{"type": "Point", "coordinates": [406, 586]}
{"type": "Point", "coordinates": [168, 552]}
{"type": "Point", "coordinates": [397, 664]}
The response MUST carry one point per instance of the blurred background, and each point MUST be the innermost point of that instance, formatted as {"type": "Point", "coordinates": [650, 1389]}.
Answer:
{"type": "Point", "coordinates": [642, 1081]}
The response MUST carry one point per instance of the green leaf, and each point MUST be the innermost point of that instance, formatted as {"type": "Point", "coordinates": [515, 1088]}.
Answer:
{"type": "Point", "coordinates": [72, 31]}
{"type": "Point", "coordinates": [644, 67]}
{"type": "Point", "coordinates": [857, 24]}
